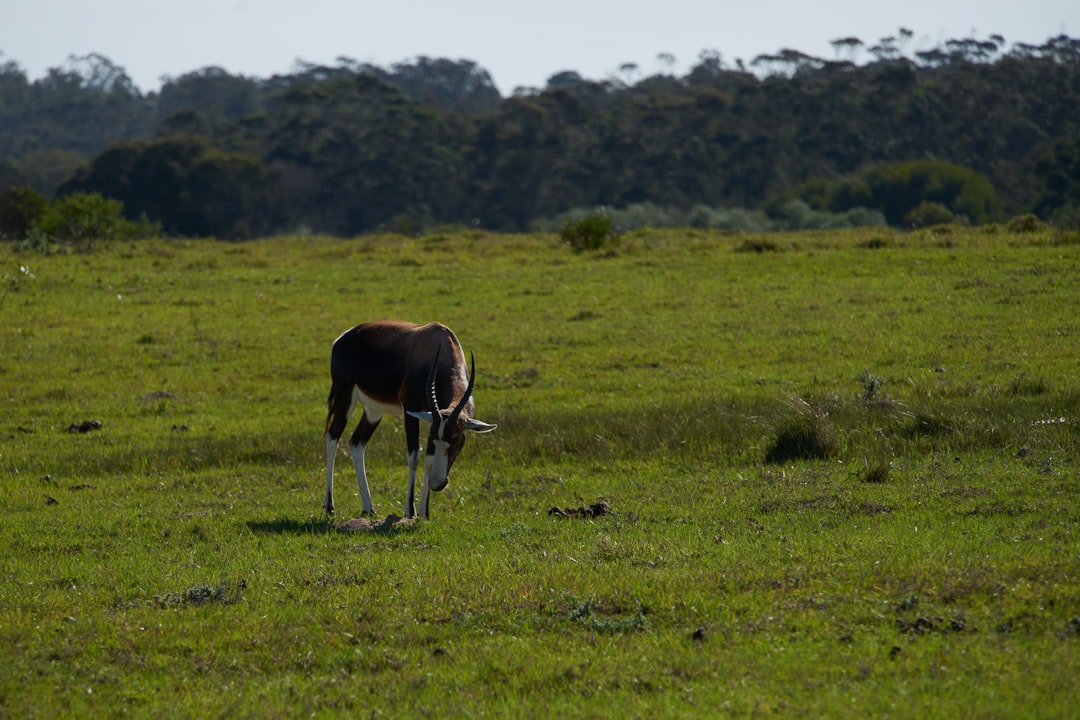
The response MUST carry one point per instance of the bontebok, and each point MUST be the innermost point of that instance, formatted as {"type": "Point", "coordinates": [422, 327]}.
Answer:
{"type": "Point", "coordinates": [416, 372]}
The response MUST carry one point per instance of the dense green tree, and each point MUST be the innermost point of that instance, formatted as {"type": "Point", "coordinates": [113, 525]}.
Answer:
{"type": "Point", "coordinates": [897, 189]}
{"type": "Point", "coordinates": [351, 153]}
{"type": "Point", "coordinates": [353, 147]}
{"type": "Point", "coordinates": [1059, 170]}
{"type": "Point", "coordinates": [461, 86]}
{"type": "Point", "coordinates": [184, 183]}
{"type": "Point", "coordinates": [42, 170]}
{"type": "Point", "coordinates": [80, 108]}
{"type": "Point", "coordinates": [21, 208]}
{"type": "Point", "coordinates": [210, 92]}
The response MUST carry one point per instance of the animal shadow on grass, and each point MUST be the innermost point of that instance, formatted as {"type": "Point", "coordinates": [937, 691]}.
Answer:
{"type": "Point", "coordinates": [390, 525]}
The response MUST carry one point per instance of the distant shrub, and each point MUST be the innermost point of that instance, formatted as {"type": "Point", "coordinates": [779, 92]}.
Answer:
{"type": "Point", "coordinates": [865, 217]}
{"type": "Point", "coordinates": [1025, 224]}
{"type": "Point", "coordinates": [401, 225]}
{"type": "Point", "coordinates": [590, 233]}
{"type": "Point", "coordinates": [786, 215]}
{"type": "Point", "coordinates": [808, 213]}
{"type": "Point", "coordinates": [83, 219]}
{"type": "Point", "coordinates": [643, 215]}
{"type": "Point", "coordinates": [928, 214]}
{"type": "Point", "coordinates": [797, 215]}
{"type": "Point", "coordinates": [704, 217]}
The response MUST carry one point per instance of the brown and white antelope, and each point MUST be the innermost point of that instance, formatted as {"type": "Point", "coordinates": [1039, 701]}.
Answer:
{"type": "Point", "coordinates": [415, 372]}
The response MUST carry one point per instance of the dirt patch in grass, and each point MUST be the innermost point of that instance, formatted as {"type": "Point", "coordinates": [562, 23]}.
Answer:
{"type": "Point", "coordinates": [391, 523]}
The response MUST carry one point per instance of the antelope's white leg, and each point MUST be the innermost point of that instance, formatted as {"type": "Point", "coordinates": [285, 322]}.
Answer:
{"type": "Point", "coordinates": [414, 462]}
{"type": "Point", "coordinates": [424, 490]}
{"type": "Point", "coordinates": [361, 478]}
{"type": "Point", "coordinates": [331, 453]}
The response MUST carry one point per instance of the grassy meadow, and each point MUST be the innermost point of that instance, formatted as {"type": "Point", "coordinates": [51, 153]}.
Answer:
{"type": "Point", "coordinates": [843, 470]}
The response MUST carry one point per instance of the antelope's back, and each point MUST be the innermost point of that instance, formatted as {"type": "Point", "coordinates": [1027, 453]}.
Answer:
{"type": "Point", "coordinates": [389, 359]}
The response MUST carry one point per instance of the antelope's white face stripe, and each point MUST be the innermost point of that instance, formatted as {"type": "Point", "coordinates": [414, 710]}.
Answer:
{"type": "Point", "coordinates": [435, 465]}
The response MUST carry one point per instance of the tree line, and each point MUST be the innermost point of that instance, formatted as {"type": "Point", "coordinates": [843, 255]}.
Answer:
{"type": "Point", "coordinates": [972, 129]}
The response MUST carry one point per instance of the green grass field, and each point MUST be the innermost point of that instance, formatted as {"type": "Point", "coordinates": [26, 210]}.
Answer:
{"type": "Point", "coordinates": [842, 467]}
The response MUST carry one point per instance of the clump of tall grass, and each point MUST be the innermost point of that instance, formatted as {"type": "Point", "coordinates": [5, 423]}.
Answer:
{"type": "Point", "coordinates": [875, 471]}
{"type": "Point", "coordinates": [808, 435]}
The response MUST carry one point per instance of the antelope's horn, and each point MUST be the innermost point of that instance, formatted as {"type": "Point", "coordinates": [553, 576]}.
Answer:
{"type": "Point", "coordinates": [433, 400]}
{"type": "Point", "coordinates": [468, 390]}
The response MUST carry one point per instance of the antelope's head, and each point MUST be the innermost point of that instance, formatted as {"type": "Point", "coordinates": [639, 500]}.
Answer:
{"type": "Point", "coordinates": [448, 429]}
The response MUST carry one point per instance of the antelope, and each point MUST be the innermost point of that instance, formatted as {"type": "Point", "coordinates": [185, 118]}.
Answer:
{"type": "Point", "coordinates": [415, 372]}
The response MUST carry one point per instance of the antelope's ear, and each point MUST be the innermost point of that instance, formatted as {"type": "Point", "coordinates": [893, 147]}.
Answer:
{"type": "Point", "coordinates": [478, 427]}
{"type": "Point", "coordinates": [426, 416]}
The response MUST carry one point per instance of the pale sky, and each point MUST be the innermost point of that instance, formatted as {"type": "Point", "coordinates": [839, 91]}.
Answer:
{"type": "Point", "coordinates": [519, 44]}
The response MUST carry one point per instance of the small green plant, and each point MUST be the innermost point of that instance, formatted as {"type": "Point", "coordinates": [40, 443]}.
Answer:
{"type": "Point", "coordinates": [871, 384]}
{"type": "Point", "coordinates": [226, 593]}
{"type": "Point", "coordinates": [592, 232]}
